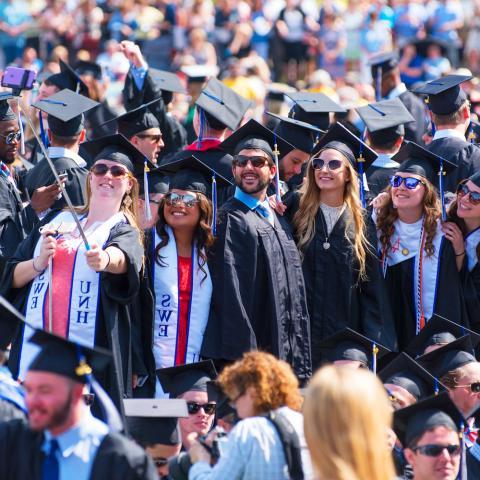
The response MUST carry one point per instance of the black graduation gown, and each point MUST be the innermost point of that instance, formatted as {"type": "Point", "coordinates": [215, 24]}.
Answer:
{"type": "Point", "coordinates": [174, 134]}
{"type": "Point", "coordinates": [471, 291]}
{"type": "Point", "coordinates": [378, 179]}
{"type": "Point", "coordinates": [473, 466]}
{"type": "Point", "coordinates": [449, 302]}
{"type": "Point", "coordinates": [336, 297]}
{"type": "Point", "coordinates": [465, 155]}
{"type": "Point", "coordinates": [414, 130]}
{"type": "Point", "coordinates": [113, 324]}
{"type": "Point", "coordinates": [258, 299]}
{"type": "Point", "coordinates": [41, 175]}
{"type": "Point", "coordinates": [95, 121]}
{"type": "Point", "coordinates": [116, 458]}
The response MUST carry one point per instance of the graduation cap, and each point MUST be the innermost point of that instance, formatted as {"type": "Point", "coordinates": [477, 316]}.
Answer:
{"type": "Point", "coordinates": [158, 181]}
{"type": "Point", "coordinates": [444, 95]}
{"type": "Point", "coordinates": [313, 108]}
{"type": "Point", "coordinates": [277, 91]}
{"type": "Point", "coordinates": [222, 107]}
{"type": "Point", "coordinates": [380, 65]}
{"type": "Point", "coordinates": [89, 68]}
{"type": "Point", "coordinates": [67, 78]}
{"type": "Point", "coordinates": [301, 135]}
{"type": "Point", "coordinates": [6, 112]}
{"type": "Point", "coordinates": [154, 421]}
{"type": "Point", "coordinates": [348, 344]}
{"type": "Point", "coordinates": [385, 120]}
{"type": "Point", "coordinates": [167, 81]}
{"type": "Point", "coordinates": [186, 378]}
{"type": "Point", "coordinates": [475, 178]}
{"type": "Point", "coordinates": [199, 73]}
{"type": "Point", "coordinates": [136, 120]}
{"type": "Point", "coordinates": [117, 148]}
{"type": "Point", "coordinates": [405, 372]}
{"type": "Point", "coordinates": [418, 160]}
{"type": "Point", "coordinates": [215, 394]}
{"type": "Point", "coordinates": [454, 355]}
{"type": "Point", "coordinates": [10, 319]}
{"type": "Point", "coordinates": [438, 331]}
{"type": "Point", "coordinates": [65, 112]}
{"type": "Point", "coordinates": [412, 422]}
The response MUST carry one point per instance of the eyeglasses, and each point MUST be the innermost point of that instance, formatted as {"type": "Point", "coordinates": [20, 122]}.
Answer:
{"type": "Point", "coordinates": [410, 182]}
{"type": "Point", "coordinates": [318, 164]}
{"type": "Point", "coordinates": [101, 169]}
{"type": "Point", "coordinates": [433, 450]}
{"type": "Point", "coordinates": [174, 199]}
{"type": "Point", "coordinates": [155, 138]}
{"type": "Point", "coordinates": [12, 137]}
{"type": "Point", "coordinates": [194, 407]}
{"type": "Point", "coordinates": [256, 161]}
{"type": "Point", "coordinates": [463, 191]}
{"type": "Point", "coordinates": [160, 462]}
{"type": "Point", "coordinates": [474, 387]}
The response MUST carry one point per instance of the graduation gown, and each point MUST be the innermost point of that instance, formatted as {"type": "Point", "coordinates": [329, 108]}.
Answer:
{"type": "Point", "coordinates": [414, 131]}
{"type": "Point", "coordinates": [117, 457]}
{"type": "Point", "coordinates": [471, 278]}
{"type": "Point", "coordinates": [174, 134]}
{"type": "Point", "coordinates": [75, 168]}
{"type": "Point", "coordinates": [95, 121]}
{"type": "Point", "coordinates": [258, 299]}
{"type": "Point", "coordinates": [473, 465]}
{"type": "Point", "coordinates": [379, 173]}
{"type": "Point", "coordinates": [113, 329]}
{"type": "Point", "coordinates": [465, 155]}
{"type": "Point", "coordinates": [336, 297]}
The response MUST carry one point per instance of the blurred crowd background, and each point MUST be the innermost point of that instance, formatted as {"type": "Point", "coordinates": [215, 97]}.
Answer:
{"type": "Point", "coordinates": [258, 47]}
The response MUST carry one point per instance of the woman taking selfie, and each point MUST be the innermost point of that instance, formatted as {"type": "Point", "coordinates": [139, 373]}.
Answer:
{"type": "Point", "coordinates": [419, 264]}
{"type": "Point", "coordinates": [79, 292]}
{"type": "Point", "coordinates": [340, 266]}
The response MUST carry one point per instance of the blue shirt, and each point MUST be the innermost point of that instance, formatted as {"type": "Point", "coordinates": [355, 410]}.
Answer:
{"type": "Point", "coordinates": [78, 447]}
{"type": "Point", "coordinates": [139, 74]}
{"type": "Point", "coordinates": [254, 203]}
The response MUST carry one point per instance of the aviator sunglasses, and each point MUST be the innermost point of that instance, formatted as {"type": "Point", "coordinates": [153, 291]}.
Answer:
{"type": "Point", "coordinates": [12, 137]}
{"type": "Point", "coordinates": [474, 387]}
{"type": "Point", "coordinates": [257, 161]}
{"type": "Point", "coordinates": [174, 199]}
{"type": "Point", "coordinates": [433, 450]}
{"type": "Point", "coordinates": [101, 169]}
{"type": "Point", "coordinates": [194, 407]}
{"type": "Point", "coordinates": [464, 191]}
{"type": "Point", "coordinates": [410, 182]}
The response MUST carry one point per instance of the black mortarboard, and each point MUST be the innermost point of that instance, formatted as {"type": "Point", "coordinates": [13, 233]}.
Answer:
{"type": "Point", "coordinates": [445, 359]}
{"type": "Point", "coordinates": [67, 78]}
{"type": "Point", "coordinates": [158, 181]}
{"type": "Point", "coordinates": [475, 178]}
{"type": "Point", "coordinates": [405, 372]}
{"type": "Point", "coordinates": [383, 63]}
{"type": "Point", "coordinates": [154, 421]}
{"type": "Point", "coordinates": [385, 120]}
{"type": "Point", "coordinates": [117, 148]}
{"type": "Point", "coordinates": [303, 136]}
{"type": "Point", "coordinates": [6, 112]}
{"type": "Point", "coordinates": [313, 108]}
{"type": "Point", "coordinates": [445, 95]}
{"type": "Point", "coordinates": [348, 344]}
{"type": "Point", "coordinates": [215, 394]}
{"type": "Point", "coordinates": [340, 138]}
{"type": "Point", "coordinates": [255, 135]}
{"type": "Point", "coordinates": [63, 357]}
{"type": "Point", "coordinates": [186, 378]}
{"type": "Point", "coordinates": [89, 68]}
{"type": "Point", "coordinates": [136, 120]}
{"type": "Point", "coordinates": [412, 422]}
{"type": "Point", "coordinates": [167, 81]}
{"type": "Point", "coordinates": [65, 112]}
{"type": "Point", "coordinates": [223, 107]}
{"type": "Point", "coordinates": [438, 331]}
{"type": "Point", "coordinates": [10, 319]}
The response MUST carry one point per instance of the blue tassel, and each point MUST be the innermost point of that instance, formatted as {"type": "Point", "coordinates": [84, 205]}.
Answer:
{"type": "Point", "coordinates": [435, 386]}
{"type": "Point", "coordinates": [361, 161]}
{"type": "Point", "coordinates": [442, 193]}
{"type": "Point", "coordinates": [378, 85]}
{"type": "Point", "coordinates": [43, 133]}
{"type": "Point", "coordinates": [148, 212]}
{"type": "Point", "coordinates": [214, 205]}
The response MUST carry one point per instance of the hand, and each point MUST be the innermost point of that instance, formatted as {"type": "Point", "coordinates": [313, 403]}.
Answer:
{"type": "Point", "coordinates": [134, 381]}
{"type": "Point", "coordinates": [97, 259]}
{"type": "Point", "coordinates": [454, 234]}
{"type": "Point", "coordinates": [197, 452]}
{"type": "Point", "coordinates": [44, 197]}
{"type": "Point", "coordinates": [380, 201]}
{"type": "Point", "coordinates": [279, 207]}
{"type": "Point", "coordinates": [48, 248]}
{"type": "Point", "coordinates": [132, 52]}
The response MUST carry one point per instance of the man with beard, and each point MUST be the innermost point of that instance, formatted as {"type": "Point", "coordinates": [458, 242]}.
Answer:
{"type": "Point", "coordinates": [258, 299]}
{"type": "Point", "coordinates": [62, 439]}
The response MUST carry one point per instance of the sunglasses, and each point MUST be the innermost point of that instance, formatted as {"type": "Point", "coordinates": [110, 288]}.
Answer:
{"type": "Point", "coordinates": [474, 387]}
{"type": "Point", "coordinates": [174, 199]}
{"type": "Point", "coordinates": [433, 450]}
{"type": "Point", "coordinates": [463, 191]}
{"type": "Point", "coordinates": [12, 137]}
{"type": "Point", "coordinates": [101, 169]}
{"type": "Point", "coordinates": [154, 138]}
{"type": "Point", "coordinates": [160, 462]}
{"type": "Point", "coordinates": [256, 161]}
{"type": "Point", "coordinates": [410, 182]}
{"type": "Point", "coordinates": [318, 164]}
{"type": "Point", "coordinates": [194, 407]}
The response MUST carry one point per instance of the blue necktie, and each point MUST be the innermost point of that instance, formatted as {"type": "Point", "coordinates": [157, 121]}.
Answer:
{"type": "Point", "coordinates": [51, 469]}
{"type": "Point", "coordinates": [265, 211]}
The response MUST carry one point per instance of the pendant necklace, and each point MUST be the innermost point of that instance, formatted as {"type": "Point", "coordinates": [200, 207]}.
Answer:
{"type": "Point", "coordinates": [326, 243]}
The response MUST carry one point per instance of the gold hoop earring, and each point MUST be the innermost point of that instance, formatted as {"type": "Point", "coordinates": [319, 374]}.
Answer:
{"type": "Point", "coordinates": [127, 201]}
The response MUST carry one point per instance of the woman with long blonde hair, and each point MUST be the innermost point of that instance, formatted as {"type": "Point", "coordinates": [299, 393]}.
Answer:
{"type": "Point", "coordinates": [78, 291]}
{"type": "Point", "coordinates": [347, 417]}
{"type": "Point", "coordinates": [419, 265]}
{"type": "Point", "coordinates": [340, 266]}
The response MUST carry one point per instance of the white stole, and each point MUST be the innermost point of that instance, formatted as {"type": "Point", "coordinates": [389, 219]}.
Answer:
{"type": "Point", "coordinates": [84, 288]}
{"type": "Point", "coordinates": [471, 243]}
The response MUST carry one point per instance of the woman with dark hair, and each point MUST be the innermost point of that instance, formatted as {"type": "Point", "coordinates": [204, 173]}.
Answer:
{"type": "Point", "coordinates": [419, 266]}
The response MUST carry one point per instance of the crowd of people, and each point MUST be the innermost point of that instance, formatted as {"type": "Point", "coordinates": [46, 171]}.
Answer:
{"type": "Point", "coordinates": [198, 266]}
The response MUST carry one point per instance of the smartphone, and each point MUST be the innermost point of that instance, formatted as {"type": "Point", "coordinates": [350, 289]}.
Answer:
{"type": "Point", "coordinates": [63, 176]}
{"type": "Point", "coordinates": [18, 78]}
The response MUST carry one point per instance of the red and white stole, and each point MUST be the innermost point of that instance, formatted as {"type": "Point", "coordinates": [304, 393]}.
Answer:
{"type": "Point", "coordinates": [76, 287]}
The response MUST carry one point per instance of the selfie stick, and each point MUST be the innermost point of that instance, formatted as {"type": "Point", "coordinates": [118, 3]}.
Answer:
{"type": "Point", "coordinates": [57, 178]}
{"type": "Point", "coordinates": [50, 295]}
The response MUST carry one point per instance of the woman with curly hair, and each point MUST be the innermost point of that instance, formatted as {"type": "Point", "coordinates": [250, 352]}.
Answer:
{"type": "Point", "coordinates": [264, 391]}
{"type": "Point", "coordinates": [180, 286]}
{"type": "Point", "coordinates": [420, 267]}
{"type": "Point", "coordinates": [342, 276]}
